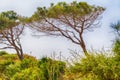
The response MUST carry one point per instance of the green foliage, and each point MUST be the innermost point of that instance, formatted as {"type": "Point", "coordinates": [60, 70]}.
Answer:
{"type": "Point", "coordinates": [116, 45]}
{"type": "Point", "coordinates": [28, 74]}
{"type": "Point", "coordinates": [10, 15]}
{"type": "Point", "coordinates": [51, 69]}
{"type": "Point", "coordinates": [9, 19]}
{"type": "Point", "coordinates": [93, 67]}
{"type": "Point", "coordinates": [96, 67]}
{"type": "Point", "coordinates": [81, 8]}
{"type": "Point", "coordinates": [30, 68]}
{"type": "Point", "coordinates": [116, 48]}
{"type": "Point", "coordinates": [5, 22]}
{"type": "Point", "coordinates": [8, 57]}
{"type": "Point", "coordinates": [3, 67]}
{"type": "Point", "coordinates": [11, 69]}
{"type": "Point", "coordinates": [116, 27]}
{"type": "Point", "coordinates": [26, 63]}
{"type": "Point", "coordinates": [3, 53]}
{"type": "Point", "coordinates": [64, 9]}
{"type": "Point", "coordinates": [78, 9]}
{"type": "Point", "coordinates": [10, 65]}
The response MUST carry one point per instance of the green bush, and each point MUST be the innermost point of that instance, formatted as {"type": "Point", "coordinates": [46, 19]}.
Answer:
{"type": "Point", "coordinates": [12, 69]}
{"type": "Point", "coordinates": [96, 67]}
{"type": "Point", "coordinates": [52, 69]}
{"type": "Point", "coordinates": [116, 48]}
{"type": "Point", "coordinates": [27, 63]}
{"type": "Point", "coordinates": [10, 65]}
{"type": "Point", "coordinates": [28, 74]}
{"type": "Point", "coordinates": [3, 53]}
{"type": "Point", "coordinates": [30, 68]}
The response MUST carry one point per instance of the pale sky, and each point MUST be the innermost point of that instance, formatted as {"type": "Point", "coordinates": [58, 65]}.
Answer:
{"type": "Point", "coordinates": [101, 37]}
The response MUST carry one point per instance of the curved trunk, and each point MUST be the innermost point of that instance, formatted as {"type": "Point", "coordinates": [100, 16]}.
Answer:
{"type": "Point", "coordinates": [82, 44]}
{"type": "Point", "coordinates": [84, 49]}
{"type": "Point", "coordinates": [20, 55]}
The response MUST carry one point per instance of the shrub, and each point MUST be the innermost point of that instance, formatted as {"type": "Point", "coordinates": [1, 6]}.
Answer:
{"type": "Point", "coordinates": [12, 69]}
{"type": "Point", "coordinates": [96, 67]}
{"type": "Point", "coordinates": [52, 69]}
{"type": "Point", "coordinates": [116, 47]}
{"type": "Point", "coordinates": [28, 74]}
{"type": "Point", "coordinates": [3, 53]}
{"type": "Point", "coordinates": [27, 63]}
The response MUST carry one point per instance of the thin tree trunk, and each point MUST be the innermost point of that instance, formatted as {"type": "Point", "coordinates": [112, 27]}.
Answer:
{"type": "Point", "coordinates": [82, 44]}
{"type": "Point", "coordinates": [20, 55]}
{"type": "Point", "coordinates": [84, 49]}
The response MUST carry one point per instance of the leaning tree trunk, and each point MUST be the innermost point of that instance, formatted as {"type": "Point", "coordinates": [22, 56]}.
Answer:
{"type": "Point", "coordinates": [82, 45]}
{"type": "Point", "coordinates": [20, 54]}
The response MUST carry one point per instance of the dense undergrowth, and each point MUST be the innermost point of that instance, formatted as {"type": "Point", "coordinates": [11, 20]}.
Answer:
{"type": "Point", "coordinates": [93, 67]}
{"type": "Point", "coordinates": [11, 68]}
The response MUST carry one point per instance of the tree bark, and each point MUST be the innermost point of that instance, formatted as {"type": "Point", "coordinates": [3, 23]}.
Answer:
{"type": "Point", "coordinates": [20, 55]}
{"type": "Point", "coordinates": [82, 45]}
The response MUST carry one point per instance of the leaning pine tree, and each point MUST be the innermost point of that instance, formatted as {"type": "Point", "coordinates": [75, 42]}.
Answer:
{"type": "Point", "coordinates": [67, 20]}
{"type": "Point", "coordinates": [11, 29]}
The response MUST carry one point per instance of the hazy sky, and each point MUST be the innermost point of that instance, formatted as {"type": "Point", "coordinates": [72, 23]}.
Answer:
{"type": "Point", "coordinates": [101, 37]}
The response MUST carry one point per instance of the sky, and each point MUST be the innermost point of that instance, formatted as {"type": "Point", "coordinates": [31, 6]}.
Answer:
{"type": "Point", "coordinates": [100, 38]}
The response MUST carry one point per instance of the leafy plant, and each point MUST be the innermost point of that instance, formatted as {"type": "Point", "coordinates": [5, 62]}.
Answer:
{"type": "Point", "coordinates": [96, 67]}
{"type": "Point", "coordinates": [3, 53]}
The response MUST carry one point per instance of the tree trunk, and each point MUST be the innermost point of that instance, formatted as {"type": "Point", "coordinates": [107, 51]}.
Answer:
{"type": "Point", "coordinates": [82, 45]}
{"type": "Point", "coordinates": [20, 55]}
{"type": "Point", "coordinates": [84, 49]}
